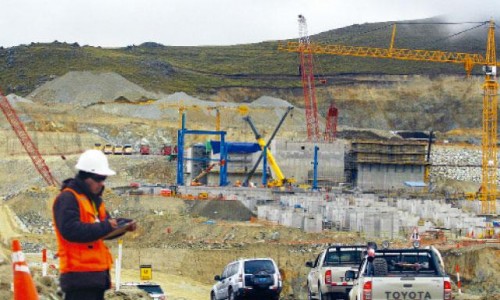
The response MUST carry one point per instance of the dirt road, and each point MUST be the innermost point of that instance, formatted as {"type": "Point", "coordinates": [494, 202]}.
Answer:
{"type": "Point", "coordinates": [175, 287]}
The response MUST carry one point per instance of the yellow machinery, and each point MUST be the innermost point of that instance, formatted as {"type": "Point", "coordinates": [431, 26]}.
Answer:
{"type": "Point", "coordinates": [203, 195]}
{"type": "Point", "coordinates": [488, 192]}
{"type": "Point", "coordinates": [98, 146]}
{"type": "Point", "coordinates": [108, 149]}
{"type": "Point", "coordinates": [242, 110]}
{"type": "Point", "coordinates": [469, 60]}
{"type": "Point", "coordinates": [182, 108]}
{"type": "Point", "coordinates": [280, 179]}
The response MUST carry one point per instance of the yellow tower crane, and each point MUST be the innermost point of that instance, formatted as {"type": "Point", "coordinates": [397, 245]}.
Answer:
{"type": "Point", "coordinates": [242, 110]}
{"type": "Point", "coordinates": [488, 192]}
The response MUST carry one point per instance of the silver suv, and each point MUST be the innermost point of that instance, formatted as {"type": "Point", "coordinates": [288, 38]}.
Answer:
{"type": "Point", "coordinates": [257, 278]}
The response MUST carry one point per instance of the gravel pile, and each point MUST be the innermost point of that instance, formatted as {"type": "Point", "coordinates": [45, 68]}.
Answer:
{"type": "Point", "coordinates": [14, 99]}
{"type": "Point", "coordinates": [86, 88]}
{"type": "Point", "coordinates": [270, 101]}
{"type": "Point", "coordinates": [182, 98]}
{"type": "Point", "coordinates": [36, 223]}
{"type": "Point", "coordinates": [455, 163]}
{"type": "Point", "coordinates": [146, 111]}
{"type": "Point", "coordinates": [29, 247]}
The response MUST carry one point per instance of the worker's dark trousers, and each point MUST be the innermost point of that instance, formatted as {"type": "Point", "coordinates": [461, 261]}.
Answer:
{"type": "Point", "coordinates": [84, 295]}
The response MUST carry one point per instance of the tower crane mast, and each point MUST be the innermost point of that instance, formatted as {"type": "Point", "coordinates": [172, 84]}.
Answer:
{"type": "Point", "coordinates": [307, 76]}
{"type": "Point", "coordinates": [488, 194]}
{"type": "Point", "coordinates": [26, 141]}
{"type": "Point", "coordinates": [331, 123]}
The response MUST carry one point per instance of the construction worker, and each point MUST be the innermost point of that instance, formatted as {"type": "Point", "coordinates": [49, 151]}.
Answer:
{"type": "Point", "coordinates": [415, 236]}
{"type": "Point", "coordinates": [81, 223]}
{"type": "Point", "coordinates": [370, 271]}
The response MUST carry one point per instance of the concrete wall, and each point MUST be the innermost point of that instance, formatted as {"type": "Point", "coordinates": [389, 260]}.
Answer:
{"type": "Point", "coordinates": [385, 177]}
{"type": "Point", "coordinates": [390, 218]}
{"type": "Point", "coordinates": [296, 159]}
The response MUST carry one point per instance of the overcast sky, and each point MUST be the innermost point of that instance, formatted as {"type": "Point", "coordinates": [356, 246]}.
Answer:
{"type": "Point", "coordinates": [118, 23]}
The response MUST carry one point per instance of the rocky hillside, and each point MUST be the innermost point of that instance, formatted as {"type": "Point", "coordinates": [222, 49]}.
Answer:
{"type": "Point", "coordinates": [390, 102]}
{"type": "Point", "coordinates": [370, 93]}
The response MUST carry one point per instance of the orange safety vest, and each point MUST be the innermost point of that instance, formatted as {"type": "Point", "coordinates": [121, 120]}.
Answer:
{"type": "Point", "coordinates": [84, 257]}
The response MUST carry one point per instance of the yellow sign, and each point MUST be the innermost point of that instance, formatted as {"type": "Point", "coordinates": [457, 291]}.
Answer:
{"type": "Point", "coordinates": [146, 272]}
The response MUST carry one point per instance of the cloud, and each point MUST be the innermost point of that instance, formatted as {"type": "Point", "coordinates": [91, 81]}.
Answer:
{"type": "Point", "coordinates": [117, 23]}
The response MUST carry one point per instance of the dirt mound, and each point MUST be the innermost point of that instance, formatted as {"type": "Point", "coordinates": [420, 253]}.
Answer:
{"type": "Point", "coordinates": [221, 210]}
{"type": "Point", "coordinates": [479, 269]}
{"type": "Point", "coordinates": [271, 101]}
{"type": "Point", "coordinates": [14, 99]}
{"type": "Point", "coordinates": [182, 98]}
{"type": "Point", "coordinates": [85, 88]}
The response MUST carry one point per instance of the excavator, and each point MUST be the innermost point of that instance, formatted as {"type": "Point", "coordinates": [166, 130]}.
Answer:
{"type": "Point", "coordinates": [280, 179]}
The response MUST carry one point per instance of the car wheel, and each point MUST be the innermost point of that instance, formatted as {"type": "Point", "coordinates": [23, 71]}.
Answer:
{"type": "Point", "coordinates": [212, 296]}
{"type": "Point", "coordinates": [323, 296]}
{"type": "Point", "coordinates": [309, 294]}
{"type": "Point", "coordinates": [231, 295]}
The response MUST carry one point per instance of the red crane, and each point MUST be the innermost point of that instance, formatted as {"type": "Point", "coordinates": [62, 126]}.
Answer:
{"type": "Point", "coordinates": [331, 123]}
{"type": "Point", "coordinates": [26, 141]}
{"type": "Point", "coordinates": [307, 75]}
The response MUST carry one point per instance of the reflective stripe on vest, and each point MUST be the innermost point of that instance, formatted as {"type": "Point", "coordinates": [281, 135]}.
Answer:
{"type": "Point", "coordinates": [84, 257]}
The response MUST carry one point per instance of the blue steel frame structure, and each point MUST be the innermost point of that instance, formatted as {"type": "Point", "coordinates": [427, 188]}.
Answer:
{"type": "Point", "coordinates": [180, 154]}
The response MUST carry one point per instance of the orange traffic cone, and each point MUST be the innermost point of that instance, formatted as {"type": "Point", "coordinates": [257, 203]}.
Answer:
{"type": "Point", "coordinates": [24, 287]}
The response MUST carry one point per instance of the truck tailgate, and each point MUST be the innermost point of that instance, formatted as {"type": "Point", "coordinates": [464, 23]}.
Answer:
{"type": "Point", "coordinates": [407, 288]}
{"type": "Point", "coordinates": [338, 275]}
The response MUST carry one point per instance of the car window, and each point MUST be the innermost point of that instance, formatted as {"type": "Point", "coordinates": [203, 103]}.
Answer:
{"type": "Point", "coordinates": [233, 269]}
{"type": "Point", "coordinates": [343, 258]}
{"type": "Point", "coordinates": [151, 289]}
{"type": "Point", "coordinates": [254, 266]}
{"type": "Point", "coordinates": [225, 272]}
{"type": "Point", "coordinates": [409, 264]}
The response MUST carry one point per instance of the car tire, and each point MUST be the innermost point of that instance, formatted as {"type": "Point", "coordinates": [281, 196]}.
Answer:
{"type": "Point", "coordinates": [309, 294]}
{"type": "Point", "coordinates": [380, 267]}
{"type": "Point", "coordinates": [231, 295]}
{"type": "Point", "coordinates": [323, 296]}
{"type": "Point", "coordinates": [212, 296]}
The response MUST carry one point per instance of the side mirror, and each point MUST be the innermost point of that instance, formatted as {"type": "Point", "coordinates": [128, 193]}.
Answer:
{"type": "Point", "coordinates": [350, 275]}
{"type": "Point", "coordinates": [217, 278]}
{"type": "Point", "coordinates": [309, 264]}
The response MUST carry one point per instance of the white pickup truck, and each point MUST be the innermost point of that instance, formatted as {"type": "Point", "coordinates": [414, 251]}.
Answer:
{"type": "Point", "coordinates": [402, 274]}
{"type": "Point", "coordinates": [326, 277]}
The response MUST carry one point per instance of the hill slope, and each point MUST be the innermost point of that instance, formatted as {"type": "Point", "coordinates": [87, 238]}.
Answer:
{"type": "Point", "coordinates": [203, 71]}
{"type": "Point", "coordinates": [371, 93]}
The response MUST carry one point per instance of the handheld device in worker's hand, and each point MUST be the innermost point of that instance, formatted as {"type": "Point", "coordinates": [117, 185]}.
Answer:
{"type": "Point", "coordinates": [124, 225]}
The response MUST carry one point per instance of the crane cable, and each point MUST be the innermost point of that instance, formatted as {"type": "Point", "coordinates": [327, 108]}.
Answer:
{"type": "Point", "coordinates": [458, 33]}
{"type": "Point", "coordinates": [349, 37]}
{"type": "Point", "coordinates": [480, 24]}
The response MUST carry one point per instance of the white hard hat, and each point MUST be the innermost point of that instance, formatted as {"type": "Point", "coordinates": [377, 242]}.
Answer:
{"type": "Point", "coordinates": [94, 161]}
